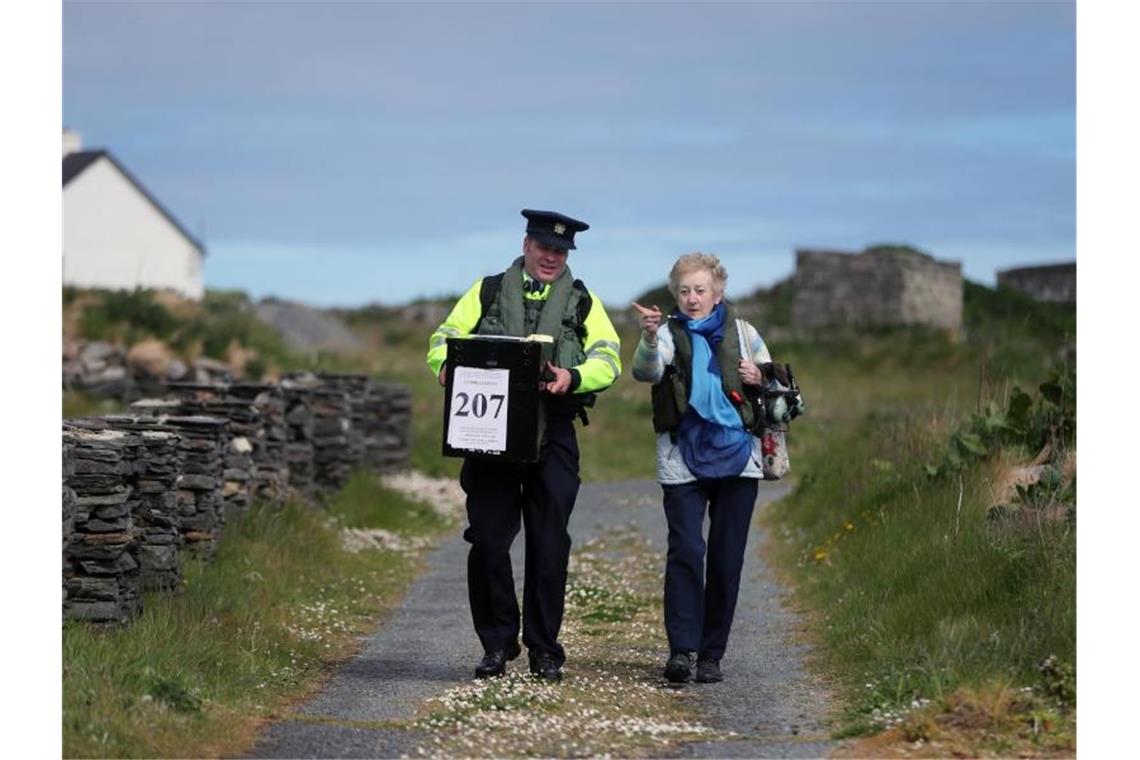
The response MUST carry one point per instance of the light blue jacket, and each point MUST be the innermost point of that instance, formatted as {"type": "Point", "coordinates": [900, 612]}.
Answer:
{"type": "Point", "coordinates": [649, 365]}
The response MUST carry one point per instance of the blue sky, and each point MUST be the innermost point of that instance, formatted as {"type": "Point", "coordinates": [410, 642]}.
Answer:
{"type": "Point", "coordinates": [347, 153]}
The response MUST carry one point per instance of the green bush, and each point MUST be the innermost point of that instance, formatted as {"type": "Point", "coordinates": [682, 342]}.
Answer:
{"type": "Point", "coordinates": [1003, 312]}
{"type": "Point", "coordinates": [370, 314]}
{"type": "Point", "coordinates": [1031, 423]}
{"type": "Point", "coordinates": [226, 317]}
{"type": "Point", "coordinates": [128, 315]}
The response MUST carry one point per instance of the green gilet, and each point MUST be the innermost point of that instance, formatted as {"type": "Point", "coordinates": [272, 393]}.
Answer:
{"type": "Point", "coordinates": [559, 316]}
{"type": "Point", "coordinates": [670, 395]}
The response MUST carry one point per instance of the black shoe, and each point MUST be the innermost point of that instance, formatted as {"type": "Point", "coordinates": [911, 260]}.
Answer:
{"type": "Point", "coordinates": [494, 662]}
{"type": "Point", "coordinates": [679, 669]}
{"type": "Point", "coordinates": [545, 666]}
{"type": "Point", "coordinates": [708, 670]}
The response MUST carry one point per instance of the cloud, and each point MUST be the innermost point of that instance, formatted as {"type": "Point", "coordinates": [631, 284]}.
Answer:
{"type": "Point", "coordinates": [358, 133]}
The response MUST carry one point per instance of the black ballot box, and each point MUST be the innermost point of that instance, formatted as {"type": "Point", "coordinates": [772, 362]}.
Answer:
{"type": "Point", "coordinates": [492, 407]}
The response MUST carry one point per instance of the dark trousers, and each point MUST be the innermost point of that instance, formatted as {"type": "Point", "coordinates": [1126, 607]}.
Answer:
{"type": "Point", "coordinates": [541, 496]}
{"type": "Point", "coordinates": [699, 611]}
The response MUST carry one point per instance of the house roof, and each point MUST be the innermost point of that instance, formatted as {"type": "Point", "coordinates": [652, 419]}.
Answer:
{"type": "Point", "coordinates": [76, 163]}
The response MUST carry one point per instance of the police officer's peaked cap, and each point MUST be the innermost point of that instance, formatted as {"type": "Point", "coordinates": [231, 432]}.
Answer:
{"type": "Point", "coordinates": [552, 229]}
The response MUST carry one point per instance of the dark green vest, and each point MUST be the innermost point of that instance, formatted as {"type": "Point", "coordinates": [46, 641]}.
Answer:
{"type": "Point", "coordinates": [561, 316]}
{"type": "Point", "coordinates": [671, 394]}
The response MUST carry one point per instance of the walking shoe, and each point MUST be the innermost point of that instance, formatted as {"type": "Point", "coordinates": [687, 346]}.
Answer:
{"type": "Point", "coordinates": [494, 662]}
{"type": "Point", "coordinates": [545, 666]}
{"type": "Point", "coordinates": [708, 670]}
{"type": "Point", "coordinates": [679, 669]}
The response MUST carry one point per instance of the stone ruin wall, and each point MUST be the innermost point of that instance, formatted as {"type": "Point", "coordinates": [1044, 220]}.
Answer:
{"type": "Point", "coordinates": [932, 293]}
{"type": "Point", "coordinates": [1055, 283]}
{"type": "Point", "coordinates": [876, 288]}
{"type": "Point", "coordinates": [140, 487]}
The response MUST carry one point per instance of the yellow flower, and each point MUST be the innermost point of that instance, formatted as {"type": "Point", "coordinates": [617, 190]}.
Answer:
{"type": "Point", "coordinates": [820, 555]}
{"type": "Point", "coordinates": [849, 526]}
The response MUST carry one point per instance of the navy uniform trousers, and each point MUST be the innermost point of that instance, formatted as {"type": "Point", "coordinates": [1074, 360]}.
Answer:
{"type": "Point", "coordinates": [699, 611]}
{"type": "Point", "coordinates": [540, 496]}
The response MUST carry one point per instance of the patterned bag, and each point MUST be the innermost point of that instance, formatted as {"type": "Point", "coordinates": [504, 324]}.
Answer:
{"type": "Point", "coordinates": [774, 452]}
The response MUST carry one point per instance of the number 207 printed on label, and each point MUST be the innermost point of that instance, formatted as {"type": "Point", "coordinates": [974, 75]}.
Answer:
{"type": "Point", "coordinates": [478, 417]}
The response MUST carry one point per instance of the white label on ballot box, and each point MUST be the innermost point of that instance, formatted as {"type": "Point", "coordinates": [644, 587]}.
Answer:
{"type": "Point", "coordinates": [478, 418]}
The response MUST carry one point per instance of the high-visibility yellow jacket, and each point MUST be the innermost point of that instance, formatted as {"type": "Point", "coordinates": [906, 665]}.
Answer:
{"type": "Point", "coordinates": [600, 341]}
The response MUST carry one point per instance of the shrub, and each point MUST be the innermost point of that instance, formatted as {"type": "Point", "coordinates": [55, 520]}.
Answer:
{"type": "Point", "coordinates": [128, 315]}
{"type": "Point", "coordinates": [1050, 420]}
{"type": "Point", "coordinates": [227, 317]}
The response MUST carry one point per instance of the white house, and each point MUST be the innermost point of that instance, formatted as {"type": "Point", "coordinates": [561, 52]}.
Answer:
{"type": "Point", "coordinates": [116, 234]}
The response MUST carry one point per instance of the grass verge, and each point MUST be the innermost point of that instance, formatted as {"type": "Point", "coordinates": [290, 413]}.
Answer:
{"type": "Point", "coordinates": [248, 634]}
{"type": "Point", "coordinates": [947, 630]}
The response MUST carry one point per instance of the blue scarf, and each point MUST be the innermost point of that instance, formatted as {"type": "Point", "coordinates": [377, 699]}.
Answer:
{"type": "Point", "coordinates": [713, 441]}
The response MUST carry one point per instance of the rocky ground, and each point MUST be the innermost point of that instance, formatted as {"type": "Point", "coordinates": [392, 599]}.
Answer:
{"type": "Point", "coordinates": [410, 692]}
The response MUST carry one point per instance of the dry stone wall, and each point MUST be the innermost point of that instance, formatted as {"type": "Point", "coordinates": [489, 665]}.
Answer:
{"type": "Point", "coordinates": [159, 461]}
{"type": "Point", "coordinates": [877, 287]}
{"type": "Point", "coordinates": [336, 446]}
{"type": "Point", "coordinates": [69, 506]}
{"type": "Point", "coordinates": [299, 449]}
{"type": "Point", "coordinates": [270, 470]}
{"type": "Point", "coordinates": [101, 570]}
{"type": "Point", "coordinates": [388, 434]}
{"type": "Point", "coordinates": [139, 488]}
{"type": "Point", "coordinates": [200, 495]}
{"type": "Point", "coordinates": [246, 433]}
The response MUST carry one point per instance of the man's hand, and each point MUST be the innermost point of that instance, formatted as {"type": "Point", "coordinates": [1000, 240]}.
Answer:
{"type": "Point", "coordinates": [561, 382]}
{"type": "Point", "coordinates": [650, 320]}
{"type": "Point", "coordinates": [443, 376]}
{"type": "Point", "coordinates": [750, 374]}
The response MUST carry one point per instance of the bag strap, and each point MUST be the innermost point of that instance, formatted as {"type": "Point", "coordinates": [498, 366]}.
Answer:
{"type": "Point", "coordinates": [488, 289]}
{"type": "Point", "coordinates": [754, 395]}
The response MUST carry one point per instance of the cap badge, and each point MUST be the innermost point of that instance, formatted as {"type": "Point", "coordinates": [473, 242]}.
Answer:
{"type": "Point", "coordinates": [559, 228]}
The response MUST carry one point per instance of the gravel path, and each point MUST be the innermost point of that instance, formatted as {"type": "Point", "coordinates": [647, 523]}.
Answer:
{"type": "Point", "coordinates": [768, 701]}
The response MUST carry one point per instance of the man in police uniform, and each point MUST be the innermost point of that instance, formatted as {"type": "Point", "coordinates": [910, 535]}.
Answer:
{"type": "Point", "coordinates": [536, 294]}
